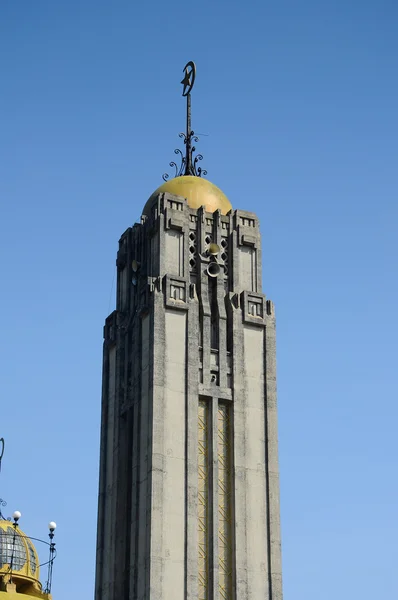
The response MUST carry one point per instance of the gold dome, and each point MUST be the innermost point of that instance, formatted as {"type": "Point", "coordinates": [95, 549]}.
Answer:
{"type": "Point", "coordinates": [197, 191]}
{"type": "Point", "coordinates": [16, 547]}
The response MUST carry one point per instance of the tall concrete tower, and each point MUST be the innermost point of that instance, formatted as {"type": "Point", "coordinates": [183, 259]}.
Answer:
{"type": "Point", "coordinates": [189, 490]}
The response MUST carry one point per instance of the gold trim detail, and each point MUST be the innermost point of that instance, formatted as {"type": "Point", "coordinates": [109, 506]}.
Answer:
{"type": "Point", "coordinates": [224, 502]}
{"type": "Point", "coordinates": [203, 500]}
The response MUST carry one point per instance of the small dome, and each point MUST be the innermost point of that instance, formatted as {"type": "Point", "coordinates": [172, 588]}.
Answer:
{"type": "Point", "coordinates": [197, 191]}
{"type": "Point", "coordinates": [17, 547]}
{"type": "Point", "coordinates": [25, 560]}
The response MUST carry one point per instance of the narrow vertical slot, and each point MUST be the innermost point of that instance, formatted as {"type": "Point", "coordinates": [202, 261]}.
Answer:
{"type": "Point", "coordinates": [214, 319]}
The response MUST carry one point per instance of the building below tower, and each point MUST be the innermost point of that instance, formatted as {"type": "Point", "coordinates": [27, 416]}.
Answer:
{"type": "Point", "coordinates": [19, 561]}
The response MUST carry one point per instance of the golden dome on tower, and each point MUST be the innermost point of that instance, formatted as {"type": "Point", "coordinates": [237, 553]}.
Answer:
{"type": "Point", "coordinates": [198, 192]}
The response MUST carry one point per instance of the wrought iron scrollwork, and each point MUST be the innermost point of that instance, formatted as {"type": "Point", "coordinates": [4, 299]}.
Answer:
{"type": "Point", "coordinates": [189, 162]}
{"type": "Point", "coordinates": [3, 503]}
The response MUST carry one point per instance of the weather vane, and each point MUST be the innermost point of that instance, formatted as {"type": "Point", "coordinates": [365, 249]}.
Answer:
{"type": "Point", "coordinates": [189, 163]}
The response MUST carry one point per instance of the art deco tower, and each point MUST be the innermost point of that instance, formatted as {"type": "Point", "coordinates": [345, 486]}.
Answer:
{"type": "Point", "coordinates": [189, 490]}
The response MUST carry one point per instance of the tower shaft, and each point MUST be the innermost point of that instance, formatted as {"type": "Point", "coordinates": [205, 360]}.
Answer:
{"type": "Point", "coordinates": [189, 490]}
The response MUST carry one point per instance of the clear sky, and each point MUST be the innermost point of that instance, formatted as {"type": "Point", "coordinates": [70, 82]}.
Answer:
{"type": "Point", "coordinates": [298, 101]}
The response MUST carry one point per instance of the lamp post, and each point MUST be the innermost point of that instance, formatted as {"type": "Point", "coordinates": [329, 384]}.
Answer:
{"type": "Point", "coordinates": [51, 526]}
{"type": "Point", "coordinates": [16, 516]}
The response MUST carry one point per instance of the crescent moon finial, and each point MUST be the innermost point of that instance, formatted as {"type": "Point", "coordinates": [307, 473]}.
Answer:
{"type": "Point", "coordinates": [189, 77]}
{"type": "Point", "coordinates": [2, 444]}
{"type": "Point", "coordinates": [188, 161]}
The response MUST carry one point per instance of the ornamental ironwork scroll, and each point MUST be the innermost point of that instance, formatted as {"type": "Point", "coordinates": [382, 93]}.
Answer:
{"type": "Point", "coordinates": [189, 163]}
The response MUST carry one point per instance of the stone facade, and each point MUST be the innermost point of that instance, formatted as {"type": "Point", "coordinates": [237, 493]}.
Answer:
{"type": "Point", "coordinates": [189, 490]}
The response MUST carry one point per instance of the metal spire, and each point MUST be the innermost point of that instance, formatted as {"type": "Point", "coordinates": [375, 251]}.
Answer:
{"type": "Point", "coordinates": [188, 162]}
{"type": "Point", "coordinates": [2, 444]}
{"type": "Point", "coordinates": [2, 502]}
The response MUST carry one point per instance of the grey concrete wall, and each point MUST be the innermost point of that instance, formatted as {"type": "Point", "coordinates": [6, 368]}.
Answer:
{"type": "Point", "coordinates": [168, 489]}
{"type": "Point", "coordinates": [275, 556]}
{"type": "Point", "coordinates": [144, 465]}
{"type": "Point", "coordinates": [253, 461]}
{"type": "Point", "coordinates": [177, 335]}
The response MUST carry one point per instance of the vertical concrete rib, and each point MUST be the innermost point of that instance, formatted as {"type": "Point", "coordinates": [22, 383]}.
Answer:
{"type": "Point", "coordinates": [142, 559]}
{"type": "Point", "coordinates": [275, 559]}
{"type": "Point", "coordinates": [102, 476]}
{"type": "Point", "coordinates": [191, 467]}
{"type": "Point", "coordinates": [239, 401]}
{"type": "Point", "coordinates": [214, 554]}
{"type": "Point", "coordinates": [108, 516]}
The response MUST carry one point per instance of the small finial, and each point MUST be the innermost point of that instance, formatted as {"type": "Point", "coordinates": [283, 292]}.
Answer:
{"type": "Point", "coordinates": [2, 444]}
{"type": "Point", "coordinates": [189, 78]}
{"type": "Point", "coordinates": [188, 162]}
{"type": "Point", "coordinates": [16, 515]}
{"type": "Point", "coordinates": [52, 526]}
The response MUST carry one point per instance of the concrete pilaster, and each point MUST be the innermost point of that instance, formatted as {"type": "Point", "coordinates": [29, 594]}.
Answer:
{"type": "Point", "coordinates": [191, 467]}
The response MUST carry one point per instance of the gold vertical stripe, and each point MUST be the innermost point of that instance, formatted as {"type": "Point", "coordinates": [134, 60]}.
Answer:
{"type": "Point", "coordinates": [224, 502]}
{"type": "Point", "coordinates": [203, 500]}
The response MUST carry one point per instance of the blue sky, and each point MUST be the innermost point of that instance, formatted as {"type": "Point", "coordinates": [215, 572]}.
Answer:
{"type": "Point", "coordinates": [298, 101]}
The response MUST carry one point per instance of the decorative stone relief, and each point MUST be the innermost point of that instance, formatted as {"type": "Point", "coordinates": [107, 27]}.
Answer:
{"type": "Point", "coordinates": [247, 222]}
{"type": "Point", "coordinates": [253, 308]}
{"type": "Point", "coordinates": [175, 204]}
{"type": "Point", "coordinates": [193, 251]}
{"type": "Point", "coordinates": [110, 328]}
{"type": "Point", "coordinates": [225, 254]}
{"type": "Point", "coordinates": [175, 290]}
{"type": "Point", "coordinates": [208, 241]}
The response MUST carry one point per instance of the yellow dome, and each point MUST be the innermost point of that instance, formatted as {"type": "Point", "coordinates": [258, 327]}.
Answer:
{"type": "Point", "coordinates": [197, 191]}
{"type": "Point", "coordinates": [17, 547]}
